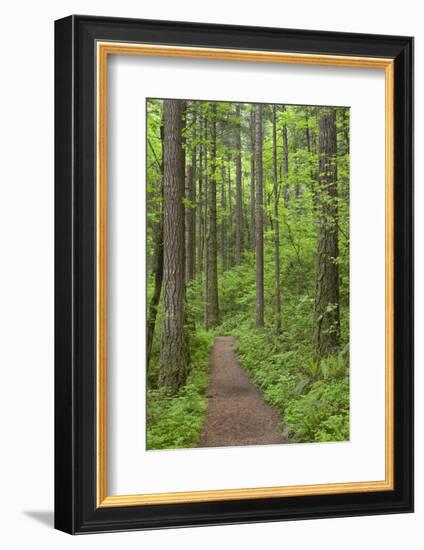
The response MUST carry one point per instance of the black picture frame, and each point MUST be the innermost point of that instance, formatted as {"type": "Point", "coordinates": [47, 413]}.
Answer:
{"type": "Point", "coordinates": [75, 275]}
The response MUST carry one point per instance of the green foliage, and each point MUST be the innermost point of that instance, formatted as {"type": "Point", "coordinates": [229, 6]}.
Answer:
{"type": "Point", "coordinates": [176, 422]}
{"type": "Point", "coordinates": [322, 414]}
{"type": "Point", "coordinates": [311, 394]}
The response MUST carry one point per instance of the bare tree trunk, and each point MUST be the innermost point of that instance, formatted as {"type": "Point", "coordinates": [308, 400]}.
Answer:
{"type": "Point", "coordinates": [343, 117]}
{"type": "Point", "coordinates": [230, 238]}
{"type": "Point", "coordinates": [224, 251]}
{"type": "Point", "coordinates": [212, 286]}
{"type": "Point", "coordinates": [154, 302]}
{"type": "Point", "coordinates": [239, 198]}
{"type": "Point", "coordinates": [327, 314]}
{"type": "Point", "coordinates": [286, 166]}
{"type": "Point", "coordinates": [311, 146]}
{"type": "Point", "coordinates": [201, 202]}
{"type": "Point", "coordinates": [252, 181]}
{"type": "Point", "coordinates": [174, 356]}
{"type": "Point", "coordinates": [189, 224]}
{"type": "Point", "coordinates": [190, 211]}
{"type": "Point", "coordinates": [246, 227]}
{"type": "Point", "coordinates": [205, 228]}
{"type": "Point", "coordinates": [259, 221]}
{"type": "Point", "coordinates": [276, 227]}
{"type": "Point", "coordinates": [194, 195]}
{"type": "Point", "coordinates": [158, 272]}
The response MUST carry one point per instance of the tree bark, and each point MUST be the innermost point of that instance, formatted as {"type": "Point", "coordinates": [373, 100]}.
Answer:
{"type": "Point", "coordinates": [201, 200]}
{"type": "Point", "coordinates": [276, 226]}
{"type": "Point", "coordinates": [174, 356]}
{"type": "Point", "coordinates": [286, 165]}
{"type": "Point", "coordinates": [252, 181]}
{"type": "Point", "coordinates": [327, 314]}
{"type": "Point", "coordinates": [239, 198]}
{"type": "Point", "coordinates": [190, 223]}
{"type": "Point", "coordinates": [259, 220]}
{"type": "Point", "coordinates": [230, 233]}
{"type": "Point", "coordinates": [158, 272]}
{"type": "Point", "coordinates": [224, 251]}
{"type": "Point", "coordinates": [311, 146]}
{"type": "Point", "coordinates": [190, 211]}
{"type": "Point", "coordinates": [205, 226]}
{"type": "Point", "coordinates": [212, 283]}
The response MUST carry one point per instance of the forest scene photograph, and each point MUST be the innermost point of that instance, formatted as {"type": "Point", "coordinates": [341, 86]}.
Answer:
{"type": "Point", "coordinates": [247, 261]}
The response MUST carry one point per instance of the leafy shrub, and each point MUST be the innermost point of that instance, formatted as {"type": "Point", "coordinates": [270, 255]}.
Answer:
{"type": "Point", "coordinates": [312, 394]}
{"type": "Point", "coordinates": [176, 421]}
{"type": "Point", "coordinates": [322, 414]}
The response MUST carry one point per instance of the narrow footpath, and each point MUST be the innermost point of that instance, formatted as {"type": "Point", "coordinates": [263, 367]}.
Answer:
{"type": "Point", "coordinates": [236, 413]}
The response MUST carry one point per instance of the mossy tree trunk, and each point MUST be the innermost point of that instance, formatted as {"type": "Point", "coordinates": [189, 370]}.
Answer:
{"type": "Point", "coordinates": [174, 355]}
{"type": "Point", "coordinates": [327, 313]}
{"type": "Point", "coordinates": [252, 181]}
{"type": "Point", "coordinates": [276, 225]}
{"type": "Point", "coordinates": [259, 219]}
{"type": "Point", "coordinates": [212, 279]}
{"type": "Point", "coordinates": [239, 192]}
{"type": "Point", "coordinates": [158, 271]}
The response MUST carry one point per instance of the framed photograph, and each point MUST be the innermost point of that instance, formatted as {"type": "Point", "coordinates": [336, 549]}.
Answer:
{"type": "Point", "coordinates": [234, 274]}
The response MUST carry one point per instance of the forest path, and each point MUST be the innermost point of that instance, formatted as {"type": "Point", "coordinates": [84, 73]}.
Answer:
{"type": "Point", "coordinates": [236, 413]}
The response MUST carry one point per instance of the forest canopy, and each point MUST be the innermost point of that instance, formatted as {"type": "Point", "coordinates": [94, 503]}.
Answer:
{"type": "Point", "coordinates": [248, 237]}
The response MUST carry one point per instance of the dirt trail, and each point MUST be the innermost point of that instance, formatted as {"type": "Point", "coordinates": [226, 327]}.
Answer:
{"type": "Point", "coordinates": [237, 413]}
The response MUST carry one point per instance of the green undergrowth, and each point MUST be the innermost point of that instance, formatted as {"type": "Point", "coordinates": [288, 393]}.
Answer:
{"type": "Point", "coordinates": [313, 396]}
{"type": "Point", "coordinates": [176, 422]}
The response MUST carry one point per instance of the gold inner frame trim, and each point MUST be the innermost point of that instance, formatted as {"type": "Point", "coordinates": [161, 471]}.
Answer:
{"type": "Point", "coordinates": [103, 50]}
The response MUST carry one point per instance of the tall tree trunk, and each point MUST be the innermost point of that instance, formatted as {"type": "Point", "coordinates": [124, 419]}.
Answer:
{"type": "Point", "coordinates": [201, 202]}
{"type": "Point", "coordinates": [205, 226]}
{"type": "Point", "coordinates": [190, 222]}
{"type": "Point", "coordinates": [194, 194]}
{"type": "Point", "coordinates": [311, 146]}
{"type": "Point", "coordinates": [246, 226]}
{"type": "Point", "coordinates": [286, 165]}
{"type": "Point", "coordinates": [224, 251]}
{"type": "Point", "coordinates": [174, 356]}
{"type": "Point", "coordinates": [327, 314]}
{"type": "Point", "coordinates": [212, 285]}
{"type": "Point", "coordinates": [184, 141]}
{"type": "Point", "coordinates": [158, 271]}
{"type": "Point", "coordinates": [190, 211]}
{"type": "Point", "coordinates": [259, 220]}
{"type": "Point", "coordinates": [154, 302]}
{"type": "Point", "coordinates": [239, 198]}
{"type": "Point", "coordinates": [252, 181]}
{"type": "Point", "coordinates": [276, 226]}
{"type": "Point", "coordinates": [230, 238]}
{"type": "Point", "coordinates": [343, 120]}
